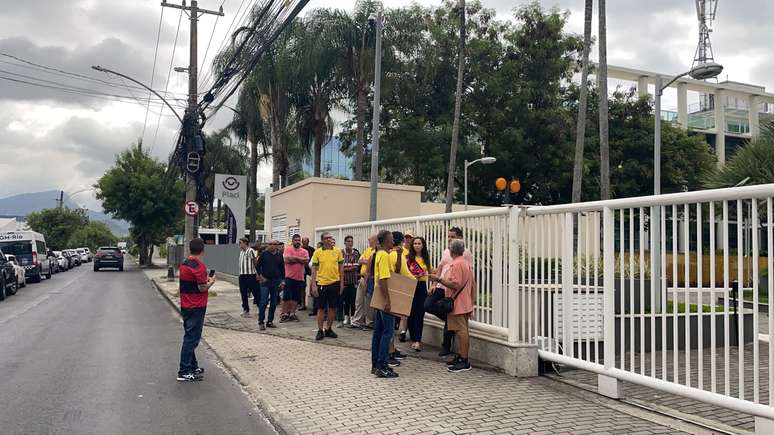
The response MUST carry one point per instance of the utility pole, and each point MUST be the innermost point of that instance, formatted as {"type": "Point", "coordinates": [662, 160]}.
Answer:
{"type": "Point", "coordinates": [378, 21]}
{"type": "Point", "coordinates": [191, 132]}
{"type": "Point", "coordinates": [60, 201]}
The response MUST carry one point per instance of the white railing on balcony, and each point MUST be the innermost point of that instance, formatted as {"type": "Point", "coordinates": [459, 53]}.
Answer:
{"type": "Point", "coordinates": [637, 289]}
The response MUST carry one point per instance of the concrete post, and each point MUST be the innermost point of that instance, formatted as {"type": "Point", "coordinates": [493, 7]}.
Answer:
{"type": "Point", "coordinates": [682, 105]}
{"type": "Point", "coordinates": [754, 103]}
{"type": "Point", "coordinates": [720, 127]}
{"type": "Point", "coordinates": [642, 86]}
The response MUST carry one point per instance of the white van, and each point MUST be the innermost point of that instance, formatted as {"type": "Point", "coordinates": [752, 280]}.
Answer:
{"type": "Point", "coordinates": [31, 252]}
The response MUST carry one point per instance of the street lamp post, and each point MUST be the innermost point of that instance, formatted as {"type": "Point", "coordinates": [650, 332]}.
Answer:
{"type": "Point", "coordinates": [484, 161]}
{"type": "Point", "coordinates": [378, 21]}
{"type": "Point", "coordinates": [701, 71]}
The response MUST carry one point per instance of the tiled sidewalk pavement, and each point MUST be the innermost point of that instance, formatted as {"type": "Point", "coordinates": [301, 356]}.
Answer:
{"type": "Point", "coordinates": [309, 387]}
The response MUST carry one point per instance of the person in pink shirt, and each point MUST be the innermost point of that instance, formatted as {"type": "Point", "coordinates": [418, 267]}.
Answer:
{"type": "Point", "coordinates": [296, 257]}
{"type": "Point", "coordinates": [455, 233]}
{"type": "Point", "coordinates": [458, 283]}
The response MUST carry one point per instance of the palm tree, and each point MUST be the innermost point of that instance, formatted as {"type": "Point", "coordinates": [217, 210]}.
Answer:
{"type": "Point", "coordinates": [752, 164]}
{"type": "Point", "coordinates": [580, 132]}
{"type": "Point", "coordinates": [317, 91]}
{"type": "Point", "coordinates": [249, 127]}
{"type": "Point", "coordinates": [355, 69]}
{"type": "Point", "coordinates": [604, 146]}
{"type": "Point", "coordinates": [223, 156]}
{"type": "Point", "coordinates": [457, 109]}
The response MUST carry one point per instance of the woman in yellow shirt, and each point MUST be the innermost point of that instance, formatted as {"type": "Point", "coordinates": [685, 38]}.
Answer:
{"type": "Point", "coordinates": [419, 265]}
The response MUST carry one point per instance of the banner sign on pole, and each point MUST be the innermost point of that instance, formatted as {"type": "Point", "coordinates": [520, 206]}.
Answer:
{"type": "Point", "coordinates": [232, 191]}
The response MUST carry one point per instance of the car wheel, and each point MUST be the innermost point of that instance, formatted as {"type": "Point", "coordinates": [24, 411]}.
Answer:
{"type": "Point", "coordinates": [48, 274]}
{"type": "Point", "coordinates": [12, 287]}
{"type": "Point", "coordinates": [96, 268]}
{"type": "Point", "coordinates": [36, 278]}
{"type": "Point", "coordinates": [2, 287]}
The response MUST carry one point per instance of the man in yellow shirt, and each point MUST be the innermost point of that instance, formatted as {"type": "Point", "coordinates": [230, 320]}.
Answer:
{"type": "Point", "coordinates": [364, 315]}
{"type": "Point", "coordinates": [384, 321]}
{"type": "Point", "coordinates": [327, 284]}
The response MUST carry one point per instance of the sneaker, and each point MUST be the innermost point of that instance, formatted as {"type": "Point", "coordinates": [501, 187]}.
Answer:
{"type": "Point", "coordinates": [270, 325]}
{"type": "Point", "coordinates": [392, 362]}
{"type": "Point", "coordinates": [261, 326]}
{"type": "Point", "coordinates": [386, 374]}
{"type": "Point", "coordinates": [461, 366]}
{"type": "Point", "coordinates": [356, 326]}
{"type": "Point", "coordinates": [340, 325]}
{"type": "Point", "coordinates": [188, 377]}
{"type": "Point", "coordinates": [294, 318]}
{"type": "Point", "coordinates": [284, 318]}
{"type": "Point", "coordinates": [373, 370]}
{"type": "Point", "coordinates": [347, 320]}
{"type": "Point", "coordinates": [320, 335]}
{"type": "Point", "coordinates": [397, 355]}
{"type": "Point", "coordinates": [453, 361]}
{"type": "Point", "coordinates": [245, 314]}
{"type": "Point", "coordinates": [198, 371]}
{"type": "Point", "coordinates": [330, 334]}
{"type": "Point", "coordinates": [402, 337]}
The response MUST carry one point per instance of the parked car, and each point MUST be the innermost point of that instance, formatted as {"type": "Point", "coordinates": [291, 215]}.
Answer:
{"type": "Point", "coordinates": [64, 263]}
{"type": "Point", "coordinates": [21, 278]}
{"type": "Point", "coordinates": [89, 254]}
{"type": "Point", "coordinates": [54, 261]}
{"type": "Point", "coordinates": [109, 256]}
{"type": "Point", "coordinates": [8, 284]}
{"type": "Point", "coordinates": [30, 251]}
{"type": "Point", "coordinates": [82, 255]}
{"type": "Point", "coordinates": [75, 259]}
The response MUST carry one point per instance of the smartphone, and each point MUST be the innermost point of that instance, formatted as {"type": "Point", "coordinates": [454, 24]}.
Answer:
{"type": "Point", "coordinates": [212, 273]}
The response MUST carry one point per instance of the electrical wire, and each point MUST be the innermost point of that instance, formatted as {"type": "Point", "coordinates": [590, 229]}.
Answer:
{"type": "Point", "coordinates": [153, 74]}
{"type": "Point", "coordinates": [169, 75]}
{"type": "Point", "coordinates": [70, 75]}
{"type": "Point", "coordinates": [237, 19]}
{"type": "Point", "coordinates": [212, 34]}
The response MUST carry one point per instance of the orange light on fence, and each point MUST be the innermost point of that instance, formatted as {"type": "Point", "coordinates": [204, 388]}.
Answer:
{"type": "Point", "coordinates": [515, 186]}
{"type": "Point", "coordinates": [501, 184]}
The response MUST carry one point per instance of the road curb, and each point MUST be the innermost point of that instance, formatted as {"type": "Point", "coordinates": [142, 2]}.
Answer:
{"type": "Point", "coordinates": [269, 412]}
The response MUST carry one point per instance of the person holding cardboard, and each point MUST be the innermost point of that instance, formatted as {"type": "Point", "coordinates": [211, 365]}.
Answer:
{"type": "Point", "coordinates": [383, 268]}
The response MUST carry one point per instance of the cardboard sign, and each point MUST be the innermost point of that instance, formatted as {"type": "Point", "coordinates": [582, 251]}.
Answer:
{"type": "Point", "coordinates": [401, 289]}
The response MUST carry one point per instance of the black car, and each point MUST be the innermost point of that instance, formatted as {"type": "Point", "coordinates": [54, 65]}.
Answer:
{"type": "Point", "coordinates": [109, 256]}
{"type": "Point", "coordinates": [8, 284]}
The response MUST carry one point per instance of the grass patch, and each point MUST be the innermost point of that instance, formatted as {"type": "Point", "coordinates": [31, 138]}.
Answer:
{"type": "Point", "coordinates": [763, 297]}
{"type": "Point", "coordinates": [681, 308]}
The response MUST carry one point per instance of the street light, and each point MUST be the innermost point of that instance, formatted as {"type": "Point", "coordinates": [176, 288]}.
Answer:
{"type": "Point", "coordinates": [701, 71]}
{"type": "Point", "coordinates": [484, 161]}
{"type": "Point", "coordinates": [378, 22]}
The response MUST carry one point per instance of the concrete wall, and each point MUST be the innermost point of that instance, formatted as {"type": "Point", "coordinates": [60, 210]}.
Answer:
{"type": "Point", "coordinates": [429, 208]}
{"type": "Point", "coordinates": [317, 202]}
{"type": "Point", "coordinates": [222, 258]}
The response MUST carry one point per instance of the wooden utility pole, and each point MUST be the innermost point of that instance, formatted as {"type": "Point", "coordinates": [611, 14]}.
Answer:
{"type": "Point", "coordinates": [457, 109]}
{"type": "Point", "coordinates": [191, 118]}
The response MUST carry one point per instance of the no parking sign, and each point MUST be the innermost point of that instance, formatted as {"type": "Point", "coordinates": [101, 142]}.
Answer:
{"type": "Point", "coordinates": [191, 208]}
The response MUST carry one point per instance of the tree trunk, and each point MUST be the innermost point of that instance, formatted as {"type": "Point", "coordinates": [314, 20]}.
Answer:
{"type": "Point", "coordinates": [360, 142]}
{"type": "Point", "coordinates": [457, 109]}
{"type": "Point", "coordinates": [604, 146]}
{"type": "Point", "coordinates": [580, 132]}
{"type": "Point", "coordinates": [217, 216]}
{"type": "Point", "coordinates": [319, 138]}
{"type": "Point", "coordinates": [251, 187]}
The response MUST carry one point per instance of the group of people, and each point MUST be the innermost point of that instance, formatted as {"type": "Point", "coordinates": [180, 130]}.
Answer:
{"type": "Point", "coordinates": [340, 284]}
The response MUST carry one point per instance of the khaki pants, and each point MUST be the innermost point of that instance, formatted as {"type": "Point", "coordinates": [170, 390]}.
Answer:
{"type": "Point", "coordinates": [364, 314]}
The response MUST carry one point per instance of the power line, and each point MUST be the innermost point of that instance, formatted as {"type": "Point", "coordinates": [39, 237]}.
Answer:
{"type": "Point", "coordinates": [237, 19]}
{"type": "Point", "coordinates": [169, 75]}
{"type": "Point", "coordinates": [63, 73]}
{"type": "Point", "coordinates": [214, 26]}
{"type": "Point", "coordinates": [153, 73]}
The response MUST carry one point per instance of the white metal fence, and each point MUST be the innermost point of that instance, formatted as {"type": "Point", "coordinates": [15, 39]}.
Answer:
{"type": "Point", "coordinates": [650, 294]}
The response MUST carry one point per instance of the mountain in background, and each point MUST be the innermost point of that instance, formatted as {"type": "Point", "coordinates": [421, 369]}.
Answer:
{"type": "Point", "coordinates": [25, 203]}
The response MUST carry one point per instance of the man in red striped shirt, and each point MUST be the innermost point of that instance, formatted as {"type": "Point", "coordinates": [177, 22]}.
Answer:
{"type": "Point", "coordinates": [194, 287]}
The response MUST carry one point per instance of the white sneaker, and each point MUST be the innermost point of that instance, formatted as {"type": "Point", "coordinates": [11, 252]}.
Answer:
{"type": "Point", "coordinates": [347, 320]}
{"type": "Point", "coordinates": [245, 314]}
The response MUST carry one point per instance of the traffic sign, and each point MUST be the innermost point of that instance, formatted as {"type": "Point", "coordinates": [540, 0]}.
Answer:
{"type": "Point", "coordinates": [191, 208]}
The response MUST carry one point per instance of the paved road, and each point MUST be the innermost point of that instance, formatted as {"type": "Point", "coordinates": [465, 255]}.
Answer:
{"type": "Point", "coordinates": [97, 353]}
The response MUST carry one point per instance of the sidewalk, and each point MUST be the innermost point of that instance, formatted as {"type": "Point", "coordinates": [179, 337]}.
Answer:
{"type": "Point", "coordinates": [310, 387]}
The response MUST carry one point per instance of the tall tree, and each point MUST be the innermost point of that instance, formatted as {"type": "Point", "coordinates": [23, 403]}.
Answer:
{"type": "Point", "coordinates": [753, 163]}
{"type": "Point", "coordinates": [138, 190]}
{"type": "Point", "coordinates": [57, 225]}
{"type": "Point", "coordinates": [580, 132]}
{"type": "Point", "coordinates": [604, 145]}
{"type": "Point", "coordinates": [318, 91]}
{"type": "Point", "coordinates": [249, 126]}
{"type": "Point", "coordinates": [457, 108]}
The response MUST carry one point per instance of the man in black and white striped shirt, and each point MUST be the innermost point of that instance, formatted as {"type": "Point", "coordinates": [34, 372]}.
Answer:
{"type": "Point", "coordinates": [248, 279]}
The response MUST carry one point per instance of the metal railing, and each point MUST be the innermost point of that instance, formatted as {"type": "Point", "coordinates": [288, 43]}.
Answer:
{"type": "Point", "coordinates": [664, 291]}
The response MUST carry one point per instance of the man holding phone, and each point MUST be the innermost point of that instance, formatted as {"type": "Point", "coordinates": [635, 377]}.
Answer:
{"type": "Point", "coordinates": [194, 287]}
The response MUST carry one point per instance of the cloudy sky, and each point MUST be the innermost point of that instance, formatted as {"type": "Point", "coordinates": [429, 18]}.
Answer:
{"type": "Point", "coordinates": [50, 139]}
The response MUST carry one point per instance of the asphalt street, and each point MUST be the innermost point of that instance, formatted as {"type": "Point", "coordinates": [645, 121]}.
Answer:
{"type": "Point", "coordinates": [97, 353]}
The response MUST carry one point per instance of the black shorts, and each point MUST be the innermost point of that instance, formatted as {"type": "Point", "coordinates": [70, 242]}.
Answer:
{"type": "Point", "coordinates": [293, 290]}
{"type": "Point", "coordinates": [329, 296]}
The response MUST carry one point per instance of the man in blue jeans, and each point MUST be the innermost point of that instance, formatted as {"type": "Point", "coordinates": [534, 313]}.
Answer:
{"type": "Point", "coordinates": [271, 273]}
{"type": "Point", "coordinates": [384, 321]}
{"type": "Point", "coordinates": [194, 287]}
